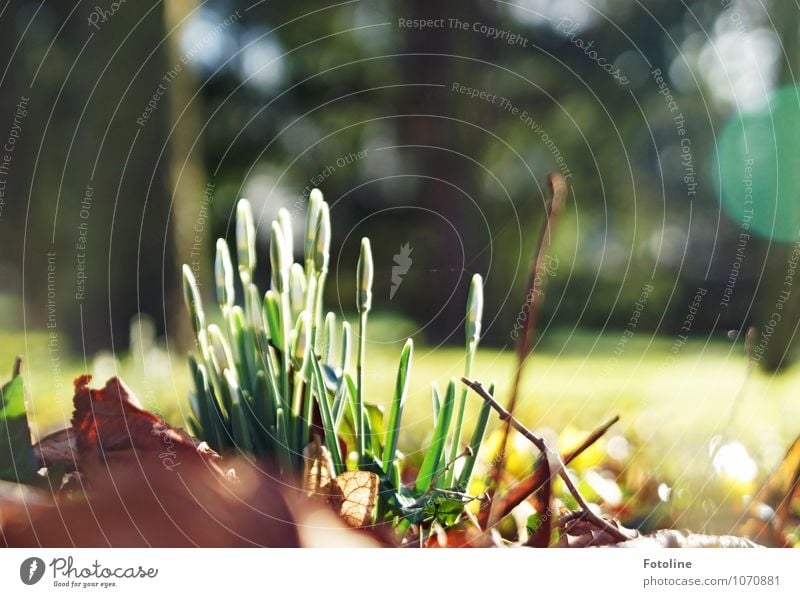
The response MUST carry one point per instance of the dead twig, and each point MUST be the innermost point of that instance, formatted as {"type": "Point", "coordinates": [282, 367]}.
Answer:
{"type": "Point", "coordinates": [530, 315]}
{"type": "Point", "coordinates": [558, 197]}
{"type": "Point", "coordinates": [553, 459]}
{"type": "Point", "coordinates": [532, 484]}
{"type": "Point", "coordinates": [571, 517]}
{"type": "Point", "coordinates": [590, 439]}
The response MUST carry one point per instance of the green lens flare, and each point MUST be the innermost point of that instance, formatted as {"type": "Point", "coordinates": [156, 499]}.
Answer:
{"type": "Point", "coordinates": [759, 164]}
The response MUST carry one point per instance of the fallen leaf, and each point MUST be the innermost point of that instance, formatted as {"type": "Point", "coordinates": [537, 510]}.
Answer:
{"type": "Point", "coordinates": [139, 482]}
{"type": "Point", "coordinates": [110, 423]}
{"type": "Point", "coordinates": [142, 504]}
{"type": "Point", "coordinates": [318, 469]}
{"type": "Point", "coordinates": [353, 494]}
{"type": "Point", "coordinates": [57, 448]}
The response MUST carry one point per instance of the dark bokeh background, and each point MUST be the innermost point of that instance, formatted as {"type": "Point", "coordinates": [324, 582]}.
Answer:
{"type": "Point", "coordinates": [268, 99]}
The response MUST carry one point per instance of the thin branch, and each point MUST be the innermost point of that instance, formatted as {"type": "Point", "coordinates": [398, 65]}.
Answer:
{"type": "Point", "coordinates": [553, 459]}
{"type": "Point", "coordinates": [558, 197]}
{"type": "Point", "coordinates": [517, 494]}
{"type": "Point", "coordinates": [530, 315]}
{"type": "Point", "coordinates": [571, 517]}
{"type": "Point", "coordinates": [590, 439]}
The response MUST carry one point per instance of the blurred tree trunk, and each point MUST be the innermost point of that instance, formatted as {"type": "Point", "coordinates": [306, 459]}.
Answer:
{"type": "Point", "coordinates": [11, 181]}
{"type": "Point", "coordinates": [186, 176]}
{"type": "Point", "coordinates": [429, 133]}
{"type": "Point", "coordinates": [776, 356]}
{"type": "Point", "coordinates": [115, 161]}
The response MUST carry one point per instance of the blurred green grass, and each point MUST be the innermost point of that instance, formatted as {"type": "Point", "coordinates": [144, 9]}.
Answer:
{"type": "Point", "coordinates": [671, 408]}
{"type": "Point", "coordinates": [674, 409]}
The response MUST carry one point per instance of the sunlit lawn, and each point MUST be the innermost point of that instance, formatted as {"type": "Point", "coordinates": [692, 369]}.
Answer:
{"type": "Point", "coordinates": [670, 411]}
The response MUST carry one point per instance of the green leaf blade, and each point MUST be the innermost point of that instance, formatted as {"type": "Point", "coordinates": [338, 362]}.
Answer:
{"type": "Point", "coordinates": [17, 461]}
{"type": "Point", "coordinates": [398, 403]}
{"type": "Point", "coordinates": [433, 459]}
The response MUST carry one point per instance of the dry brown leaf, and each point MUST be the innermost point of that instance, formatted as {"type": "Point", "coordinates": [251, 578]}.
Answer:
{"type": "Point", "coordinates": [110, 426]}
{"type": "Point", "coordinates": [318, 469]}
{"type": "Point", "coordinates": [113, 419]}
{"type": "Point", "coordinates": [57, 448]}
{"type": "Point", "coordinates": [19, 502]}
{"type": "Point", "coordinates": [142, 504]}
{"type": "Point", "coordinates": [353, 494]}
{"type": "Point", "coordinates": [149, 484]}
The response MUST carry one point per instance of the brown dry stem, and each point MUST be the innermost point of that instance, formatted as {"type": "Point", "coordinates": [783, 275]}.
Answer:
{"type": "Point", "coordinates": [553, 459]}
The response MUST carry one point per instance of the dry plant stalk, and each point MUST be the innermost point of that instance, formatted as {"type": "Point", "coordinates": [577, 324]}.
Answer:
{"type": "Point", "coordinates": [558, 196]}
{"type": "Point", "coordinates": [554, 462]}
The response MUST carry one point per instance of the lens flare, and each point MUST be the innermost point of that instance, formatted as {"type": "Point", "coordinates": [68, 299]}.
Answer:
{"type": "Point", "coordinates": [759, 181]}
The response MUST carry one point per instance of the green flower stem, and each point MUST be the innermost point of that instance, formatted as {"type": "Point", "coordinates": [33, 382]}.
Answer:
{"type": "Point", "coordinates": [362, 345]}
{"type": "Point", "coordinates": [364, 273]}
{"type": "Point", "coordinates": [304, 423]}
{"type": "Point", "coordinates": [472, 331]}
{"type": "Point", "coordinates": [316, 314]}
{"type": "Point", "coordinates": [462, 403]}
{"type": "Point", "coordinates": [392, 427]}
{"type": "Point", "coordinates": [331, 441]}
{"type": "Point", "coordinates": [308, 412]}
{"type": "Point", "coordinates": [285, 359]}
{"type": "Point", "coordinates": [297, 412]}
{"type": "Point", "coordinates": [475, 444]}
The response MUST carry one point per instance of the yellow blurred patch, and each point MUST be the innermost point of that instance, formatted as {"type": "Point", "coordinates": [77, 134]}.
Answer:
{"type": "Point", "coordinates": [476, 487]}
{"type": "Point", "coordinates": [571, 438]}
{"type": "Point", "coordinates": [520, 454]}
